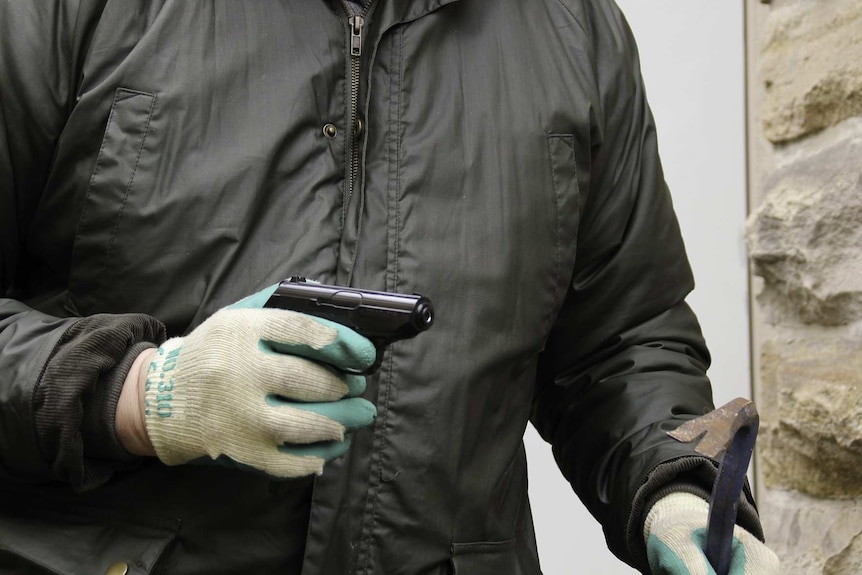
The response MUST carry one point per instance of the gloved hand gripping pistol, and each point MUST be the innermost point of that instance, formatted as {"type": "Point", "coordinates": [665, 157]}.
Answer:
{"type": "Point", "coordinates": [382, 317]}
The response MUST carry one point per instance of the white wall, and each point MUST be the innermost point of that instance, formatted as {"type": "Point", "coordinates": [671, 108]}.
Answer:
{"type": "Point", "coordinates": [692, 55]}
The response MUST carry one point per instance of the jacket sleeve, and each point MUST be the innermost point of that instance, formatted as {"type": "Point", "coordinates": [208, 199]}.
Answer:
{"type": "Point", "coordinates": [625, 361]}
{"type": "Point", "coordinates": [59, 377]}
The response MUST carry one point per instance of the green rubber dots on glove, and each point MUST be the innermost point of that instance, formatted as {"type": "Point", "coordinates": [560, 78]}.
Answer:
{"type": "Point", "coordinates": [265, 388]}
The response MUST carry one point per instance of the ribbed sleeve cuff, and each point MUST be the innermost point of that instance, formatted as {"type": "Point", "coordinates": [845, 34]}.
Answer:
{"type": "Point", "coordinates": [75, 400]}
{"type": "Point", "coordinates": [98, 429]}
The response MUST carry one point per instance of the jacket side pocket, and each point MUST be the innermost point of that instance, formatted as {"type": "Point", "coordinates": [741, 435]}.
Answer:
{"type": "Point", "coordinates": [497, 558]}
{"type": "Point", "coordinates": [110, 186]}
{"type": "Point", "coordinates": [38, 541]}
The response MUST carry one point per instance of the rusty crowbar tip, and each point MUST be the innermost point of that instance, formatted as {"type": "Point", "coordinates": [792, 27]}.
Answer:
{"type": "Point", "coordinates": [726, 435]}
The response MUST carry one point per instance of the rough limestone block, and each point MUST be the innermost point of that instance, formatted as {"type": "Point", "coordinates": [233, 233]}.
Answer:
{"type": "Point", "coordinates": [811, 535]}
{"type": "Point", "coordinates": [811, 433]}
{"type": "Point", "coordinates": [805, 240]}
{"type": "Point", "coordinates": [811, 67]}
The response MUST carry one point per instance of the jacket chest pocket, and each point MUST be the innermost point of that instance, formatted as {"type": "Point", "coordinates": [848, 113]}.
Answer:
{"type": "Point", "coordinates": [95, 257]}
{"type": "Point", "coordinates": [567, 195]}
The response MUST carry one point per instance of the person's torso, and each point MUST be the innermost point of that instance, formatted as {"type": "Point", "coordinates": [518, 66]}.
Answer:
{"type": "Point", "coordinates": [212, 151]}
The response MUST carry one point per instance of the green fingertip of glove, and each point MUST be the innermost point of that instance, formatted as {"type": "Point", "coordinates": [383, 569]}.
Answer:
{"type": "Point", "coordinates": [356, 385]}
{"type": "Point", "coordinates": [663, 560]}
{"type": "Point", "coordinates": [348, 352]}
{"type": "Point", "coordinates": [737, 552]}
{"type": "Point", "coordinates": [255, 301]}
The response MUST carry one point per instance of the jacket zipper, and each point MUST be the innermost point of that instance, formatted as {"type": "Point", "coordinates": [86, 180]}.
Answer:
{"type": "Point", "coordinates": [355, 23]}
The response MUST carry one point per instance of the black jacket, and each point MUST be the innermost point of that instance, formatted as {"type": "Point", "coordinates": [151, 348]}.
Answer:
{"type": "Point", "coordinates": [163, 158]}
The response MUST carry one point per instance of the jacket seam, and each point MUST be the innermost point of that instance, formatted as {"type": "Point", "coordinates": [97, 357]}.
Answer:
{"type": "Point", "coordinates": [397, 132]}
{"type": "Point", "coordinates": [575, 18]}
{"type": "Point", "coordinates": [372, 520]}
{"type": "Point", "coordinates": [74, 84]}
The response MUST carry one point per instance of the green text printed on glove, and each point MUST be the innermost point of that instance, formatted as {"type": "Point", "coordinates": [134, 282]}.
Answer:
{"type": "Point", "coordinates": [265, 388]}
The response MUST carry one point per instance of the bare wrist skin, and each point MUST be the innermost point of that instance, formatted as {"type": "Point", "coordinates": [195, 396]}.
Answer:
{"type": "Point", "coordinates": [129, 422]}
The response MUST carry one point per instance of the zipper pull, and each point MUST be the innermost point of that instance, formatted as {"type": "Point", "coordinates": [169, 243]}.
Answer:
{"type": "Point", "coordinates": [356, 23]}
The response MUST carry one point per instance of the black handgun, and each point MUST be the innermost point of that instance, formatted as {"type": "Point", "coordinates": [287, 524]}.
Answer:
{"type": "Point", "coordinates": [382, 317]}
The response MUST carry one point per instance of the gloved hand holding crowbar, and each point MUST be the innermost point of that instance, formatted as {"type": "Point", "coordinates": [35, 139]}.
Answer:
{"type": "Point", "coordinates": [727, 435]}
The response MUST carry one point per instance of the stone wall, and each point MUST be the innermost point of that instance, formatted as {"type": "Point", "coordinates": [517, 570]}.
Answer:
{"type": "Point", "coordinates": [805, 245]}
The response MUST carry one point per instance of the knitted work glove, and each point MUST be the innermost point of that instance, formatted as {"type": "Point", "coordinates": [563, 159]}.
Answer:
{"type": "Point", "coordinates": [265, 388]}
{"type": "Point", "coordinates": [675, 534]}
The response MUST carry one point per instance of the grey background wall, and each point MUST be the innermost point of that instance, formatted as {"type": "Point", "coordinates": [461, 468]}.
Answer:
{"type": "Point", "coordinates": [692, 55]}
